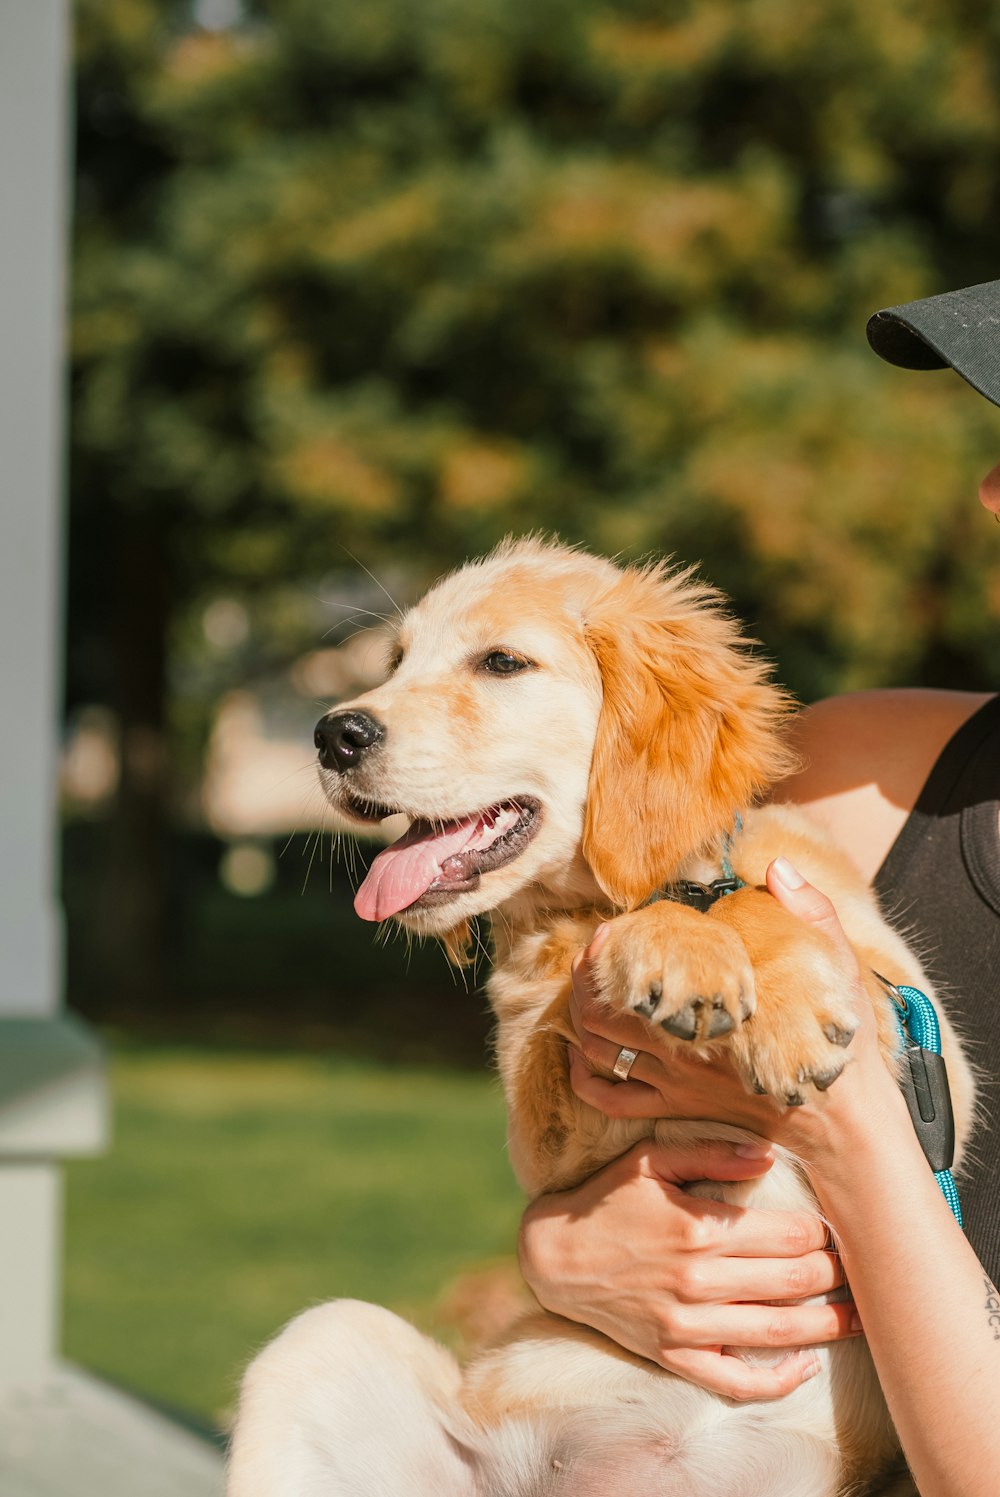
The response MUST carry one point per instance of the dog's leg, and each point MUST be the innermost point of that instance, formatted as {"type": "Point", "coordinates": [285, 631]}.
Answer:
{"type": "Point", "coordinates": [700, 978]}
{"type": "Point", "coordinates": [350, 1401]}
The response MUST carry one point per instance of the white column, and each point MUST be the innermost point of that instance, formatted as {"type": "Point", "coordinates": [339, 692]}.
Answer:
{"type": "Point", "coordinates": [33, 186]}
{"type": "Point", "coordinates": [60, 1431]}
{"type": "Point", "coordinates": [51, 1095]}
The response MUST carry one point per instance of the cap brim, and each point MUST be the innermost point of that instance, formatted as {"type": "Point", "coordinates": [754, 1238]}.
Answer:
{"type": "Point", "coordinates": [960, 329]}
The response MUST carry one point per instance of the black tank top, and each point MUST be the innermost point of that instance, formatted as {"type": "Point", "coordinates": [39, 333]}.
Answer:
{"type": "Point", "coordinates": [940, 886]}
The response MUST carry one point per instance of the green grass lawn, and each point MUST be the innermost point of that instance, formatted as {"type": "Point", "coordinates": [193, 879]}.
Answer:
{"type": "Point", "coordinates": [242, 1187]}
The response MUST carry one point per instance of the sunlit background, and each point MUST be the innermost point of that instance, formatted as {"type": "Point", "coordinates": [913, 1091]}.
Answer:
{"type": "Point", "coordinates": [359, 286]}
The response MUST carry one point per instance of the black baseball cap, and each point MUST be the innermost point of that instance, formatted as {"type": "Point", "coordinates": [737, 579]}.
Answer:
{"type": "Point", "coordinates": [959, 329]}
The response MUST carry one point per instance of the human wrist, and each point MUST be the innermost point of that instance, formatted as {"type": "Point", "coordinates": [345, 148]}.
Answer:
{"type": "Point", "coordinates": [866, 1131]}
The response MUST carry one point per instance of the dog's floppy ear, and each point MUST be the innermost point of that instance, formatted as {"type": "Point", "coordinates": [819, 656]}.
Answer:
{"type": "Point", "coordinates": [688, 732]}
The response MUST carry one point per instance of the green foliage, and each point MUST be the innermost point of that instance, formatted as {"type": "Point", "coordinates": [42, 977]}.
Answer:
{"type": "Point", "coordinates": [241, 1188]}
{"type": "Point", "coordinates": [401, 277]}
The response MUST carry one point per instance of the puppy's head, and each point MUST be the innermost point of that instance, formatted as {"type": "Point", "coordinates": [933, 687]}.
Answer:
{"type": "Point", "coordinates": [558, 731]}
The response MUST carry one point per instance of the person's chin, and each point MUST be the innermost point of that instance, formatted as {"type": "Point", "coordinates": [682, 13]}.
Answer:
{"type": "Point", "coordinates": [989, 490]}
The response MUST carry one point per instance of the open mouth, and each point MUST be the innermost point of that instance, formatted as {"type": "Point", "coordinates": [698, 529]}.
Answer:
{"type": "Point", "coordinates": [435, 860]}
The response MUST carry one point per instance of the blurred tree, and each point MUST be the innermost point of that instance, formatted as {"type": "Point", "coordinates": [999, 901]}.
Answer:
{"type": "Point", "coordinates": [398, 278]}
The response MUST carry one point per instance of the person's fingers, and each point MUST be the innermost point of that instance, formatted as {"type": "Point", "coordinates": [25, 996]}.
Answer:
{"type": "Point", "coordinates": [598, 939]}
{"type": "Point", "coordinates": [582, 966]}
{"type": "Point", "coordinates": [718, 1280]}
{"type": "Point", "coordinates": [601, 1053]}
{"type": "Point", "coordinates": [734, 1378]}
{"type": "Point", "coordinates": [704, 1159]}
{"type": "Point", "coordinates": [590, 1015]}
{"type": "Point", "coordinates": [746, 1232]}
{"type": "Point", "coordinates": [772, 1327]}
{"type": "Point", "coordinates": [803, 900]}
{"type": "Point", "coordinates": [601, 1033]}
{"type": "Point", "coordinates": [582, 973]}
{"type": "Point", "coordinates": [724, 1230]}
{"type": "Point", "coordinates": [616, 1099]}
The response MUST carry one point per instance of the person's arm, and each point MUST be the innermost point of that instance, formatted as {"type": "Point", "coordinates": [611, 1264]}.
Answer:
{"type": "Point", "coordinates": [864, 759]}
{"type": "Point", "coordinates": [921, 1293]}
{"type": "Point", "coordinates": [927, 1307]}
{"type": "Point", "coordinates": [922, 1296]}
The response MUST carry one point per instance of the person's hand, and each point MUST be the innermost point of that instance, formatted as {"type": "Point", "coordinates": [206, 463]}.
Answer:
{"type": "Point", "coordinates": [666, 1081]}
{"type": "Point", "coordinates": [681, 1280]}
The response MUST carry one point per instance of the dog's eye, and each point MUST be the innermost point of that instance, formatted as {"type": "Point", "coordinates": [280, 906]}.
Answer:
{"type": "Point", "coordinates": [503, 663]}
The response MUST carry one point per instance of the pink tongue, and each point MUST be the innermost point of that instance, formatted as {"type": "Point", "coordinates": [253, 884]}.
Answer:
{"type": "Point", "coordinates": [407, 869]}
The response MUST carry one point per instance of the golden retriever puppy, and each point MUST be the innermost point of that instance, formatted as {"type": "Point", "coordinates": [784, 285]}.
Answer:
{"type": "Point", "coordinates": [570, 740]}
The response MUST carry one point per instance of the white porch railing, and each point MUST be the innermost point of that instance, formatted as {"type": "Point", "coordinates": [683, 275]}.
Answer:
{"type": "Point", "coordinates": [61, 1431]}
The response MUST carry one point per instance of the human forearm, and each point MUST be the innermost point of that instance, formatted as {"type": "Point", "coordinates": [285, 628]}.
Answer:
{"type": "Point", "coordinates": [922, 1298]}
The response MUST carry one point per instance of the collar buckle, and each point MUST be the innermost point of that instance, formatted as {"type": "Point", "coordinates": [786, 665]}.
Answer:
{"type": "Point", "coordinates": [698, 896]}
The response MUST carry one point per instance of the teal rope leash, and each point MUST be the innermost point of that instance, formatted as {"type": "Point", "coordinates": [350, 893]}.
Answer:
{"type": "Point", "coordinates": [727, 847]}
{"type": "Point", "coordinates": [924, 1082]}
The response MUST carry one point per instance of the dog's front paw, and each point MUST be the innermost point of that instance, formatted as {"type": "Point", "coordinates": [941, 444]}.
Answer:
{"type": "Point", "coordinates": [797, 1044]}
{"type": "Point", "coordinates": [791, 1066]}
{"type": "Point", "coordinates": [676, 969]}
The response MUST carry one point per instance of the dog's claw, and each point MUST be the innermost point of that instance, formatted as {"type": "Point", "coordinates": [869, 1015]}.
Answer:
{"type": "Point", "coordinates": [683, 1025]}
{"type": "Point", "coordinates": [821, 1080]}
{"type": "Point", "coordinates": [647, 1006]}
{"type": "Point", "coordinates": [722, 1021]}
{"type": "Point", "coordinates": [837, 1035]}
{"type": "Point", "coordinates": [687, 1021]}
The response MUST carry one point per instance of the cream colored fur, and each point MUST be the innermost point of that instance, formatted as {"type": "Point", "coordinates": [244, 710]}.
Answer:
{"type": "Point", "coordinates": [640, 725]}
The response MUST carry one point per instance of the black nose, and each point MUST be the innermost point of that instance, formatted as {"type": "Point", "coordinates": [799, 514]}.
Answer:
{"type": "Point", "coordinates": [343, 738]}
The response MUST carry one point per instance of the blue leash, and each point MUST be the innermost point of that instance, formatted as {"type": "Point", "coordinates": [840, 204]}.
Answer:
{"type": "Point", "coordinates": [924, 1083]}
